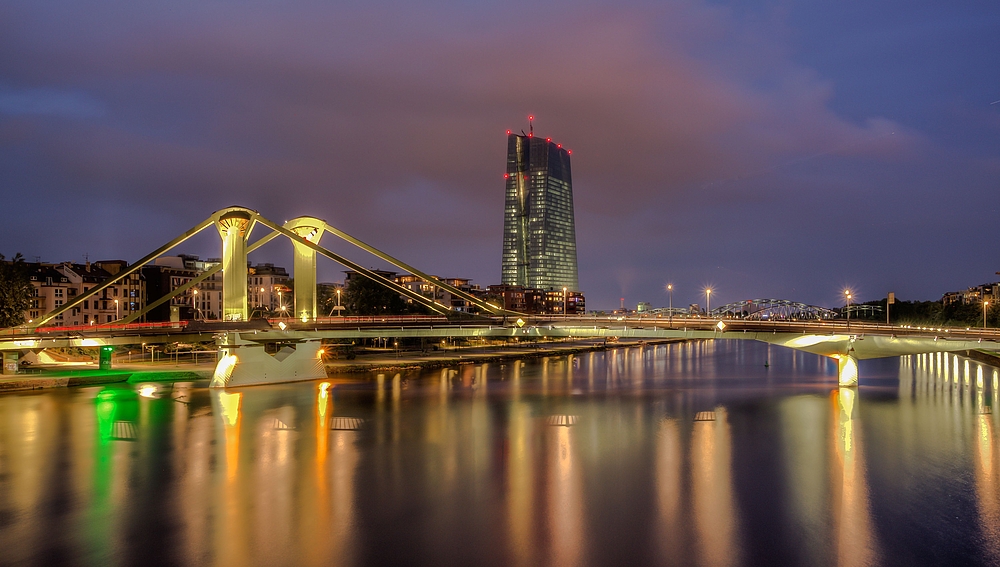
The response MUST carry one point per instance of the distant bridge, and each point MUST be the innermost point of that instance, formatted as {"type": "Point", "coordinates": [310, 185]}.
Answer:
{"type": "Point", "coordinates": [241, 343]}
{"type": "Point", "coordinates": [772, 309]}
{"type": "Point", "coordinates": [755, 310]}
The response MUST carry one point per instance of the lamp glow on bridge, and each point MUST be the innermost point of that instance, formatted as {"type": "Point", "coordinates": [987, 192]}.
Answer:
{"type": "Point", "coordinates": [708, 301]}
{"type": "Point", "coordinates": [670, 311]}
{"type": "Point", "coordinates": [986, 305]}
{"type": "Point", "coordinates": [847, 294]}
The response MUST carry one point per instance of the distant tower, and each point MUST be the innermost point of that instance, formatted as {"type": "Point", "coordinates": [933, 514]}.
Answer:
{"type": "Point", "coordinates": [539, 231]}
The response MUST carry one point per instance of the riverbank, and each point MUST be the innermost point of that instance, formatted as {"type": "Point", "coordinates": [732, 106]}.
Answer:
{"type": "Point", "coordinates": [88, 375]}
{"type": "Point", "coordinates": [43, 381]}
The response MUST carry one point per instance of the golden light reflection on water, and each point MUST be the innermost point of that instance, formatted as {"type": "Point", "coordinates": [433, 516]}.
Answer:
{"type": "Point", "coordinates": [462, 465]}
{"type": "Point", "coordinates": [231, 526]}
{"type": "Point", "coordinates": [987, 481]}
{"type": "Point", "coordinates": [715, 515]}
{"type": "Point", "coordinates": [669, 533]}
{"type": "Point", "coordinates": [855, 541]}
{"type": "Point", "coordinates": [521, 486]}
{"type": "Point", "coordinates": [565, 498]}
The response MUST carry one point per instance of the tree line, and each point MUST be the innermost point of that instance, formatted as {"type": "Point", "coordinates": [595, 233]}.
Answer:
{"type": "Point", "coordinates": [932, 313]}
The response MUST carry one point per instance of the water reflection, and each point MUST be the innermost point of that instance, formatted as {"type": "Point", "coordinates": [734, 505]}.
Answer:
{"type": "Point", "coordinates": [852, 519]}
{"type": "Point", "coordinates": [715, 516]}
{"type": "Point", "coordinates": [669, 489]}
{"type": "Point", "coordinates": [565, 503]}
{"type": "Point", "coordinates": [678, 454]}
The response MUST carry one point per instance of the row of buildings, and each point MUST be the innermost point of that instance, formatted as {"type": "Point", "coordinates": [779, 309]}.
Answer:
{"type": "Point", "coordinates": [54, 285]}
{"type": "Point", "coordinates": [974, 295]}
{"type": "Point", "coordinates": [269, 292]}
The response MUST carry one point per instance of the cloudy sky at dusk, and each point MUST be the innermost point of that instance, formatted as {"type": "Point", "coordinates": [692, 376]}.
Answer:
{"type": "Point", "coordinates": [770, 149]}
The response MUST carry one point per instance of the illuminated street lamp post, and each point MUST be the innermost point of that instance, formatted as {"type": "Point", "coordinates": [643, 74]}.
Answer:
{"type": "Point", "coordinates": [194, 304]}
{"type": "Point", "coordinates": [117, 316]}
{"type": "Point", "coordinates": [986, 304]}
{"type": "Point", "coordinates": [565, 314]}
{"type": "Point", "coordinates": [708, 302]}
{"type": "Point", "coordinates": [670, 311]}
{"type": "Point", "coordinates": [339, 312]}
{"type": "Point", "coordinates": [847, 293]}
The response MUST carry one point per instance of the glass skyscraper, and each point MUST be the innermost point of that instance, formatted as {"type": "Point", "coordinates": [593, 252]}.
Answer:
{"type": "Point", "coordinates": [539, 233]}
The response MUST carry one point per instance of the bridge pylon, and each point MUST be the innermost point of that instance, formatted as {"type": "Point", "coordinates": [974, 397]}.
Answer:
{"type": "Point", "coordinates": [304, 264]}
{"type": "Point", "coordinates": [234, 225]}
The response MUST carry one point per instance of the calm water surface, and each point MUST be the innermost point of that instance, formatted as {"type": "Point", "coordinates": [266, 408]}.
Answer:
{"type": "Point", "coordinates": [684, 454]}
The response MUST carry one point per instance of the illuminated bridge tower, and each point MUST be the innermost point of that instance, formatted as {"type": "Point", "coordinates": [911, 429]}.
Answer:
{"type": "Point", "coordinates": [539, 231]}
{"type": "Point", "coordinates": [234, 228]}
{"type": "Point", "coordinates": [304, 267]}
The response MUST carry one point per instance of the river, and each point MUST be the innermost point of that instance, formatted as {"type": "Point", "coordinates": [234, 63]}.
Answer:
{"type": "Point", "coordinates": [697, 453]}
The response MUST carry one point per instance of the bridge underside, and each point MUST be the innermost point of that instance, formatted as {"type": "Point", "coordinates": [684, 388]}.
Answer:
{"type": "Point", "coordinates": [238, 350]}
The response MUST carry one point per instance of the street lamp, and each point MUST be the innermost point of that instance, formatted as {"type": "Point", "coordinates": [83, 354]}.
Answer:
{"type": "Point", "coordinates": [985, 305]}
{"type": "Point", "coordinates": [847, 293]}
{"type": "Point", "coordinates": [117, 316]}
{"type": "Point", "coordinates": [564, 303]}
{"type": "Point", "coordinates": [194, 304]}
{"type": "Point", "coordinates": [708, 301]}
{"type": "Point", "coordinates": [670, 312]}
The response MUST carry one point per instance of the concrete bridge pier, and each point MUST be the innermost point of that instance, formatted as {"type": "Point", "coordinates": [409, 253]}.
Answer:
{"type": "Point", "coordinates": [247, 363]}
{"type": "Point", "coordinates": [847, 369]}
{"type": "Point", "coordinates": [304, 266]}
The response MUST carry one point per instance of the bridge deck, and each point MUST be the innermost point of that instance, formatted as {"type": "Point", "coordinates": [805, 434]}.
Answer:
{"type": "Point", "coordinates": [866, 340]}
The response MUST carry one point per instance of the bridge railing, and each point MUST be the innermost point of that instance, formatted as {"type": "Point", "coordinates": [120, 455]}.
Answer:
{"type": "Point", "coordinates": [110, 327]}
{"type": "Point", "coordinates": [355, 320]}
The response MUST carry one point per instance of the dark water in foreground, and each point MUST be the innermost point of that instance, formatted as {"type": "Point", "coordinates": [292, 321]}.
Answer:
{"type": "Point", "coordinates": [598, 459]}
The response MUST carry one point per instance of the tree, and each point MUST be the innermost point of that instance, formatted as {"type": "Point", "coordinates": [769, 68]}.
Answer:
{"type": "Point", "coordinates": [364, 296]}
{"type": "Point", "coordinates": [15, 290]}
{"type": "Point", "coordinates": [326, 299]}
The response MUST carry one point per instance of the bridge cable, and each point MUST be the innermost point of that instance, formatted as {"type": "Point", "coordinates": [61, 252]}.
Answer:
{"type": "Point", "coordinates": [127, 271]}
{"type": "Point", "coordinates": [402, 290]}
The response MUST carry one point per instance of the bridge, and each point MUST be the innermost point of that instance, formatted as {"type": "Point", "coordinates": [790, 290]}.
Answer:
{"type": "Point", "coordinates": [243, 359]}
{"type": "Point", "coordinates": [772, 309]}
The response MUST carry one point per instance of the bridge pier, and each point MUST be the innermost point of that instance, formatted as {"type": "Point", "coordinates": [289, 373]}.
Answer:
{"type": "Point", "coordinates": [847, 369]}
{"type": "Point", "coordinates": [246, 363]}
{"type": "Point", "coordinates": [304, 266]}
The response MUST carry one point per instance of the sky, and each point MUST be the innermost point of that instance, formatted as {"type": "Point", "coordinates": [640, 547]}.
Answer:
{"type": "Point", "coordinates": [766, 149]}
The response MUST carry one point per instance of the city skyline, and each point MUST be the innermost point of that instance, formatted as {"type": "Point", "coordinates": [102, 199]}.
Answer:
{"type": "Point", "coordinates": [787, 152]}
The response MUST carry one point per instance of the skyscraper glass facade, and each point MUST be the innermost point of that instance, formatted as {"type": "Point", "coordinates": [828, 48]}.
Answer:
{"type": "Point", "coordinates": [539, 233]}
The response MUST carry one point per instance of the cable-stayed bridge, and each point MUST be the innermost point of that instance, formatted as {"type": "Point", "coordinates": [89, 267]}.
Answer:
{"type": "Point", "coordinates": [243, 359]}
